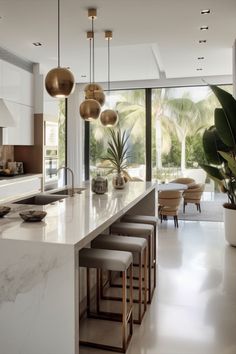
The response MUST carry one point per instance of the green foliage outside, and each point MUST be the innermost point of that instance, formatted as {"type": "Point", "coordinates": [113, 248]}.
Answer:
{"type": "Point", "coordinates": [179, 118]}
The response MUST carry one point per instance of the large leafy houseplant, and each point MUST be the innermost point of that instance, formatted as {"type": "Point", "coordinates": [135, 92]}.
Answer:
{"type": "Point", "coordinates": [117, 154]}
{"type": "Point", "coordinates": [219, 143]}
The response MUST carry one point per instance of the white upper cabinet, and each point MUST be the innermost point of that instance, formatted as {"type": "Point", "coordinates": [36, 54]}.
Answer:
{"type": "Point", "coordinates": [16, 84]}
{"type": "Point", "coordinates": [1, 85]}
{"type": "Point", "coordinates": [23, 131]}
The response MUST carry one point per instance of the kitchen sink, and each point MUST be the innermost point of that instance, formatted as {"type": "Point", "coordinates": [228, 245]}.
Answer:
{"type": "Point", "coordinates": [40, 199]}
{"type": "Point", "coordinates": [67, 191]}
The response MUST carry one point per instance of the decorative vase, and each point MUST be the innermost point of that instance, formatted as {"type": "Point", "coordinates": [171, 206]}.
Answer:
{"type": "Point", "coordinates": [118, 181]}
{"type": "Point", "coordinates": [99, 184]}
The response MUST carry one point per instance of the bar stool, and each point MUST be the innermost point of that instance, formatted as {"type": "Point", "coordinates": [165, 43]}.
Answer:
{"type": "Point", "coordinates": [144, 231]}
{"type": "Point", "coordinates": [138, 246]}
{"type": "Point", "coordinates": [150, 220]}
{"type": "Point", "coordinates": [111, 260]}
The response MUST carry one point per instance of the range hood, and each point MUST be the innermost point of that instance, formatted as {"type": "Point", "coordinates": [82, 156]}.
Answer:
{"type": "Point", "coordinates": [6, 118]}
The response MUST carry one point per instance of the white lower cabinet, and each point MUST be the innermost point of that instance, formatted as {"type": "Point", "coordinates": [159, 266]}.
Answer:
{"type": "Point", "coordinates": [23, 131]}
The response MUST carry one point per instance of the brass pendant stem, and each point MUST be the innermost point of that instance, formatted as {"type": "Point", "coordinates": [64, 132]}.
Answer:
{"type": "Point", "coordinates": [58, 35]}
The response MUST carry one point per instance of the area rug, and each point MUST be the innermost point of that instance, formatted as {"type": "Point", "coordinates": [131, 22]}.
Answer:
{"type": "Point", "coordinates": [211, 211]}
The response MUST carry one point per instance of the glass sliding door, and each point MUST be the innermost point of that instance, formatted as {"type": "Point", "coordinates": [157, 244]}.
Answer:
{"type": "Point", "coordinates": [130, 105]}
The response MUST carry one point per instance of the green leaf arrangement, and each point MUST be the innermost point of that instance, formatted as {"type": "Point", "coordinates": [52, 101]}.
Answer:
{"type": "Point", "coordinates": [219, 144]}
{"type": "Point", "coordinates": [117, 152]}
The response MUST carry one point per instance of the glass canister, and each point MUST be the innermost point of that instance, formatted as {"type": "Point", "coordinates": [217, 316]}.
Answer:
{"type": "Point", "coordinates": [99, 184]}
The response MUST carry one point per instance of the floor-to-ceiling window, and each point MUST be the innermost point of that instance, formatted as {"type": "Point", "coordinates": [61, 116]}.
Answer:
{"type": "Point", "coordinates": [130, 105]}
{"type": "Point", "coordinates": [179, 117]}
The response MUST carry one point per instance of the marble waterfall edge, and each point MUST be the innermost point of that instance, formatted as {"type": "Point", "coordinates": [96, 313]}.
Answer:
{"type": "Point", "coordinates": [34, 295]}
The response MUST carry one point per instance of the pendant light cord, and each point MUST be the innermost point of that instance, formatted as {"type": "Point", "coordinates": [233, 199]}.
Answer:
{"type": "Point", "coordinates": [90, 61]}
{"type": "Point", "coordinates": [93, 49]}
{"type": "Point", "coordinates": [108, 66]}
{"type": "Point", "coordinates": [58, 33]}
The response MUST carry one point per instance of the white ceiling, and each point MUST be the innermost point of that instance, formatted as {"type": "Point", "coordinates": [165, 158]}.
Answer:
{"type": "Point", "coordinates": [149, 36]}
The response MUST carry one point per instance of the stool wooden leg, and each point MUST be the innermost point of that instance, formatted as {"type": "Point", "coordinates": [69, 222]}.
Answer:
{"type": "Point", "coordinates": [140, 290]}
{"type": "Point", "coordinates": [145, 279]}
{"type": "Point", "coordinates": [124, 310]}
{"type": "Point", "coordinates": [155, 255]}
{"type": "Point", "coordinates": [131, 301]}
{"type": "Point", "coordinates": [98, 297]}
{"type": "Point", "coordinates": [149, 272]}
{"type": "Point", "coordinates": [88, 292]}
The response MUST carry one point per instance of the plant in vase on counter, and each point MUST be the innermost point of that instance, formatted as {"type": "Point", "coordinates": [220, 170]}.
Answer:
{"type": "Point", "coordinates": [117, 154]}
{"type": "Point", "coordinates": [219, 143]}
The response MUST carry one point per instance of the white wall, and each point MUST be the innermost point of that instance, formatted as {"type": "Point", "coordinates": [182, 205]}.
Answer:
{"type": "Point", "coordinates": [75, 135]}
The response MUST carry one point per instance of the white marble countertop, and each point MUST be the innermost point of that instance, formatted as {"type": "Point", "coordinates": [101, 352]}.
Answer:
{"type": "Point", "coordinates": [76, 220]}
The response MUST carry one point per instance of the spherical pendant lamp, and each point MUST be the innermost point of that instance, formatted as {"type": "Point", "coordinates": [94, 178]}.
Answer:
{"type": "Point", "coordinates": [59, 81]}
{"type": "Point", "coordinates": [96, 95]}
{"type": "Point", "coordinates": [89, 110]}
{"type": "Point", "coordinates": [95, 92]}
{"type": "Point", "coordinates": [93, 87]}
{"type": "Point", "coordinates": [109, 117]}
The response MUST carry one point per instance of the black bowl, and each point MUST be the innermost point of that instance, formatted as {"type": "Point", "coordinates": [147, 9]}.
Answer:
{"type": "Point", "coordinates": [4, 210]}
{"type": "Point", "coordinates": [33, 215]}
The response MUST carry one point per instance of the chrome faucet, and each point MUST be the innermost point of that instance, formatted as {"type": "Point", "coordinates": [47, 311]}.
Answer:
{"type": "Point", "coordinates": [72, 190]}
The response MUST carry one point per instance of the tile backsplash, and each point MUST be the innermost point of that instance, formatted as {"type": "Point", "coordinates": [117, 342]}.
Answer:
{"type": "Point", "coordinates": [6, 153]}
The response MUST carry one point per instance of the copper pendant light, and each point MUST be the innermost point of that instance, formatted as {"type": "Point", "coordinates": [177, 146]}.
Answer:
{"type": "Point", "coordinates": [59, 81]}
{"type": "Point", "coordinates": [90, 108]}
{"type": "Point", "coordinates": [109, 117]}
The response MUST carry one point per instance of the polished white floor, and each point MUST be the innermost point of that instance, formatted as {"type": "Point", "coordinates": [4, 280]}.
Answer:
{"type": "Point", "coordinates": [194, 306]}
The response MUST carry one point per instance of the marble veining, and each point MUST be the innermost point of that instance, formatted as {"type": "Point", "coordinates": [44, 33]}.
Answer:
{"type": "Point", "coordinates": [21, 276]}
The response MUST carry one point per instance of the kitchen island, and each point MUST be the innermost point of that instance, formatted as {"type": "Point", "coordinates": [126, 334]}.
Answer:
{"type": "Point", "coordinates": [39, 274]}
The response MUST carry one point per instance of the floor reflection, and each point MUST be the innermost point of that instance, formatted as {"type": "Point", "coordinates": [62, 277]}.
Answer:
{"type": "Point", "coordinates": [194, 306]}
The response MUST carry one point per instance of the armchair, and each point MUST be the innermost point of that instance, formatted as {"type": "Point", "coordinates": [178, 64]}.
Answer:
{"type": "Point", "coordinates": [168, 205]}
{"type": "Point", "coordinates": [193, 195]}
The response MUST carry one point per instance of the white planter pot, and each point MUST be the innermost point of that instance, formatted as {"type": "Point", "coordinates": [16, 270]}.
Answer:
{"type": "Point", "coordinates": [230, 226]}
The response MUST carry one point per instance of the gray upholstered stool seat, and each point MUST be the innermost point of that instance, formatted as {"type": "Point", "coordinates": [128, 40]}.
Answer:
{"type": "Point", "coordinates": [146, 219]}
{"type": "Point", "coordinates": [105, 259]}
{"type": "Point", "coordinates": [112, 260]}
{"type": "Point", "coordinates": [138, 246]}
{"type": "Point", "coordinates": [143, 219]}
{"type": "Point", "coordinates": [122, 243]}
{"type": "Point", "coordinates": [139, 230]}
{"type": "Point", "coordinates": [133, 229]}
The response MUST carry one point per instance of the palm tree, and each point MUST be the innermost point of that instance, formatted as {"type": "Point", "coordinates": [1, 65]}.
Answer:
{"type": "Point", "coordinates": [162, 124]}
{"type": "Point", "coordinates": [184, 113]}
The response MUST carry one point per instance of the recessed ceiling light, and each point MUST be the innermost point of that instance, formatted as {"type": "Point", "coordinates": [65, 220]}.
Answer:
{"type": "Point", "coordinates": [205, 11]}
{"type": "Point", "coordinates": [201, 58]}
{"type": "Point", "coordinates": [199, 69]}
{"type": "Point", "coordinates": [202, 41]}
{"type": "Point", "coordinates": [204, 28]}
{"type": "Point", "coordinates": [37, 44]}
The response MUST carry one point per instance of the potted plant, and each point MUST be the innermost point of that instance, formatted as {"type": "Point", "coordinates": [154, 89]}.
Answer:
{"type": "Point", "coordinates": [117, 154]}
{"type": "Point", "coordinates": [219, 143]}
